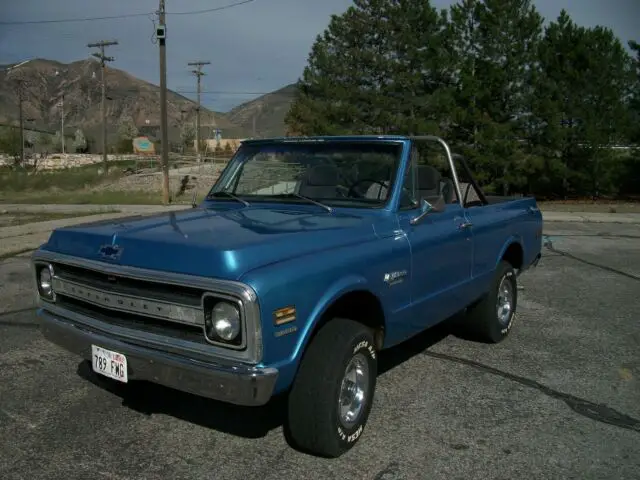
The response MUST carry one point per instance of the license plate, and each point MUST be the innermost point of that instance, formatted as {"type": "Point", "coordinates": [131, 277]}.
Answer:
{"type": "Point", "coordinates": [110, 364]}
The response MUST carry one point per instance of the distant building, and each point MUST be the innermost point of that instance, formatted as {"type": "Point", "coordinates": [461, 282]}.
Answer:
{"type": "Point", "coordinates": [212, 143]}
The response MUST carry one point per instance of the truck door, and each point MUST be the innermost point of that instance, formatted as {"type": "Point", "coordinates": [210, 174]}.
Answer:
{"type": "Point", "coordinates": [441, 250]}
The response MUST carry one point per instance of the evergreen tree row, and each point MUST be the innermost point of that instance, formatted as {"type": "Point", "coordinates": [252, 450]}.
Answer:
{"type": "Point", "coordinates": [534, 108]}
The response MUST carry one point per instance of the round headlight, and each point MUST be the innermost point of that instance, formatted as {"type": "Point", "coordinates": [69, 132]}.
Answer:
{"type": "Point", "coordinates": [45, 281]}
{"type": "Point", "coordinates": [225, 322]}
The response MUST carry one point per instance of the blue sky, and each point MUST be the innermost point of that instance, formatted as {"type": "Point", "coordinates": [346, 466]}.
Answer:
{"type": "Point", "coordinates": [256, 47]}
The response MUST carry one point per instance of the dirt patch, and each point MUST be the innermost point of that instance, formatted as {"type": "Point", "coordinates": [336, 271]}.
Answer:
{"type": "Point", "coordinates": [182, 181]}
{"type": "Point", "coordinates": [22, 218]}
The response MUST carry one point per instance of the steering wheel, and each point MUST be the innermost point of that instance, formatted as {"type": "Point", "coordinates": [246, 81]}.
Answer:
{"type": "Point", "coordinates": [358, 182]}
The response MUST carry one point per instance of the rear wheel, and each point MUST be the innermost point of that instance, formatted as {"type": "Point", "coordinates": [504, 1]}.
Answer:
{"type": "Point", "coordinates": [331, 398]}
{"type": "Point", "coordinates": [491, 318]}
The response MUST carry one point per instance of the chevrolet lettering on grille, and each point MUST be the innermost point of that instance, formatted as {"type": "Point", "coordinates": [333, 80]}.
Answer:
{"type": "Point", "coordinates": [142, 306]}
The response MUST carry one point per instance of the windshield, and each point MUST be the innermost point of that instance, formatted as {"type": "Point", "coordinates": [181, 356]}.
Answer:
{"type": "Point", "coordinates": [353, 174]}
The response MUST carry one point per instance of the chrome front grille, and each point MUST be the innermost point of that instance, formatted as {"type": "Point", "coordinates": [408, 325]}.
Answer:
{"type": "Point", "coordinates": [128, 286]}
{"type": "Point", "coordinates": [129, 302]}
{"type": "Point", "coordinates": [111, 319]}
{"type": "Point", "coordinates": [146, 307]}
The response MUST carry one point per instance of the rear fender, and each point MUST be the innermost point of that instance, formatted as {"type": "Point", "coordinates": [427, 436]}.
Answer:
{"type": "Point", "coordinates": [517, 239]}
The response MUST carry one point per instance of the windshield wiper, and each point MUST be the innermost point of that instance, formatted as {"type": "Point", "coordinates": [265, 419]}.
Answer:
{"type": "Point", "coordinates": [297, 195]}
{"type": "Point", "coordinates": [223, 193]}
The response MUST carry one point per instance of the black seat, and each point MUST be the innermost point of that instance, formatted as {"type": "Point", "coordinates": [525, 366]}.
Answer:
{"type": "Point", "coordinates": [447, 189]}
{"type": "Point", "coordinates": [428, 182]}
{"type": "Point", "coordinates": [320, 181]}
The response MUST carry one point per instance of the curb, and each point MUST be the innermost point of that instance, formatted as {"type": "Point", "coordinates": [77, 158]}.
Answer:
{"type": "Point", "coordinates": [620, 218]}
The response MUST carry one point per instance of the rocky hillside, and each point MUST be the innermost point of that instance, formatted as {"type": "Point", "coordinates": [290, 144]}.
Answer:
{"type": "Point", "coordinates": [268, 112]}
{"type": "Point", "coordinates": [45, 81]}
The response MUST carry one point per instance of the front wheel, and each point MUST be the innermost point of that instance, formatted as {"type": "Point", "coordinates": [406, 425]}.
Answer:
{"type": "Point", "coordinates": [331, 398]}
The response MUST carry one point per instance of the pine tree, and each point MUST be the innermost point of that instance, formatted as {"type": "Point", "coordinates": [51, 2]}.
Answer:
{"type": "Point", "coordinates": [560, 53]}
{"type": "Point", "coordinates": [332, 94]}
{"type": "Point", "coordinates": [584, 79]}
{"type": "Point", "coordinates": [634, 100]}
{"type": "Point", "coordinates": [508, 34]}
{"type": "Point", "coordinates": [629, 174]}
{"type": "Point", "coordinates": [376, 69]}
{"type": "Point", "coordinates": [465, 48]}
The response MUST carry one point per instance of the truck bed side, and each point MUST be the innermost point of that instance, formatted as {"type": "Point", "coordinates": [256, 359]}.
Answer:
{"type": "Point", "coordinates": [509, 226]}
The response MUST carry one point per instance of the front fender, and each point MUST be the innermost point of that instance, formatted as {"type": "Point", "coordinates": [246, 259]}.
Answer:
{"type": "Point", "coordinates": [350, 283]}
{"type": "Point", "coordinates": [310, 285]}
{"type": "Point", "coordinates": [288, 367]}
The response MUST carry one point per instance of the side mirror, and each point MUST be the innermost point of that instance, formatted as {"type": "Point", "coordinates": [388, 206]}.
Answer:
{"type": "Point", "coordinates": [426, 208]}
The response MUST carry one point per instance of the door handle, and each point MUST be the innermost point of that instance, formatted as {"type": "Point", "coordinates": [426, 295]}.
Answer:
{"type": "Point", "coordinates": [464, 225]}
{"type": "Point", "coordinates": [533, 209]}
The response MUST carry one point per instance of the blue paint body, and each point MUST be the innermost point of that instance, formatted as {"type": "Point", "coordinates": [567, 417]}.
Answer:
{"type": "Point", "coordinates": [298, 253]}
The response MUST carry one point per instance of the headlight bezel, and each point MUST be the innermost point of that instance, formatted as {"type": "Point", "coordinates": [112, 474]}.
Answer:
{"type": "Point", "coordinates": [39, 267]}
{"type": "Point", "coordinates": [209, 300]}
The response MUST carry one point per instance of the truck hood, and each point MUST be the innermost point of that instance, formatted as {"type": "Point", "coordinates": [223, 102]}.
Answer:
{"type": "Point", "coordinates": [214, 243]}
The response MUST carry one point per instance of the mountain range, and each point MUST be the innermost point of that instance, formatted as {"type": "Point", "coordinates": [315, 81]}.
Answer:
{"type": "Point", "coordinates": [44, 82]}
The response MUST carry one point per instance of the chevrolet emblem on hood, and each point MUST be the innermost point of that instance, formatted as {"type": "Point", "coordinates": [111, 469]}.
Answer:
{"type": "Point", "coordinates": [112, 252]}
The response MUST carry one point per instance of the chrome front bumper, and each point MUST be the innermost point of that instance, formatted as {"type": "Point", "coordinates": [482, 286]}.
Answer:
{"type": "Point", "coordinates": [232, 383]}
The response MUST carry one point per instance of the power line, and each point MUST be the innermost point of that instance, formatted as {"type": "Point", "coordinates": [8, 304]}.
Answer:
{"type": "Point", "coordinates": [126, 15]}
{"type": "Point", "coordinates": [209, 10]}
{"type": "Point", "coordinates": [224, 92]}
{"type": "Point", "coordinates": [216, 92]}
{"type": "Point", "coordinates": [68, 20]}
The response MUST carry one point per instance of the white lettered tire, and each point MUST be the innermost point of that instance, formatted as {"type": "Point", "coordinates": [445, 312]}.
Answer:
{"type": "Point", "coordinates": [332, 395]}
{"type": "Point", "coordinates": [490, 319]}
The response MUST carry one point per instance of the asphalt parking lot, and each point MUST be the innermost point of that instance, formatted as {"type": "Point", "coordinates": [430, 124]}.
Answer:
{"type": "Point", "coordinates": [560, 398]}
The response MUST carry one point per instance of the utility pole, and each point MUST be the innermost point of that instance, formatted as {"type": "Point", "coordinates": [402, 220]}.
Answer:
{"type": "Point", "coordinates": [62, 122]}
{"type": "Point", "coordinates": [20, 100]}
{"type": "Point", "coordinates": [20, 91]}
{"type": "Point", "coordinates": [161, 35]}
{"type": "Point", "coordinates": [198, 73]}
{"type": "Point", "coordinates": [101, 56]}
{"type": "Point", "coordinates": [60, 105]}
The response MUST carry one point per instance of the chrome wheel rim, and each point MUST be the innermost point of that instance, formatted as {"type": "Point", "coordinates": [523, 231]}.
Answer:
{"type": "Point", "coordinates": [353, 390]}
{"type": "Point", "coordinates": [504, 306]}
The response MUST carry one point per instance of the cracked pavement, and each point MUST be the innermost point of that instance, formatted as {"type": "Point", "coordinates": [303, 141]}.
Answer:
{"type": "Point", "coordinates": [558, 399]}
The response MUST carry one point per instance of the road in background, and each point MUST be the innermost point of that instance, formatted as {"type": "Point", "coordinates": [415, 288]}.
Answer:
{"type": "Point", "coordinates": [557, 399]}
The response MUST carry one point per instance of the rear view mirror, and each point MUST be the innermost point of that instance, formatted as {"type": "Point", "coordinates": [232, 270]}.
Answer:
{"type": "Point", "coordinates": [426, 208]}
{"type": "Point", "coordinates": [439, 205]}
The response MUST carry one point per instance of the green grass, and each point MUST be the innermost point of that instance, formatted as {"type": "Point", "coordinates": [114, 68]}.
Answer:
{"type": "Point", "coordinates": [67, 178]}
{"type": "Point", "coordinates": [76, 186]}
{"type": "Point", "coordinates": [14, 181]}
{"type": "Point", "coordinates": [21, 218]}
{"type": "Point", "coordinates": [71, 186]}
